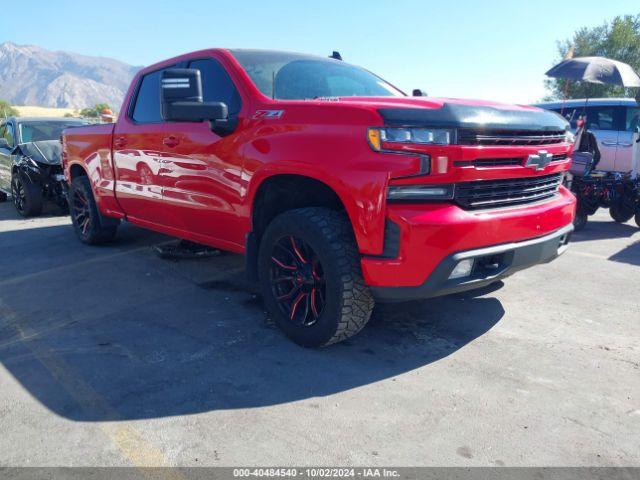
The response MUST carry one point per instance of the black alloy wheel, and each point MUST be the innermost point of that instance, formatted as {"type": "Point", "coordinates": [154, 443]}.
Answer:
{"type": "Point", "coordinates": [18, 194]}
{"type": "Point", "coordinates": [81, 212]}
{"type": "Point", "coordinates": [297, 281]}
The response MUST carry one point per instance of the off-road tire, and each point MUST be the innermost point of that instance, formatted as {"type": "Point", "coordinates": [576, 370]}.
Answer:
{"type": "Point", "coordinates": [620, 213]}
{"type": "Point", "coordinates": [27, 196]}
{"type": "Point", "coordinates": [99, 229]}
{"type": "Point", "coordinates": [580, 220]}
{"type": "Point", "coordinates": [348, 301]}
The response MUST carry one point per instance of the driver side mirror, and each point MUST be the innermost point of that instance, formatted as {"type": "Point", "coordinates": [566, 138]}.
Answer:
{"type": "Point", "coordinates": [181, 99]}
{"type": "Point", "coordinates": [4, 143]}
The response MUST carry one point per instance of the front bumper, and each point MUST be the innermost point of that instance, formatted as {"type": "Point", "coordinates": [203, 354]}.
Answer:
{"type": "Point", "coordinates": [490, 264]}
{"type": "Point", "coordinates": [428, 235]}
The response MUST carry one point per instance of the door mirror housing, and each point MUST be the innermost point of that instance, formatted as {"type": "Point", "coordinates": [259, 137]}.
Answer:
{"type": "Point", "coordinates": [181, 99]}
{"type": "Point", "coordinates": [417, 92]}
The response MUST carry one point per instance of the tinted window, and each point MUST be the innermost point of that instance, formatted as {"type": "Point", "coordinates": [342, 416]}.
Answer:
{"type": "Point", "coordinates": [147, 107]}
{"type": "Point", "coordinates": [632, 121]}
{"type": "Point", "coordinates": [216, 84]}
{"type": "Point", "coordinates": [7, 132]}
{"type": "Point", "coordinates": [601, 118]}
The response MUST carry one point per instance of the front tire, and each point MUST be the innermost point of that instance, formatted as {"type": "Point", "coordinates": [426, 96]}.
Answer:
{"type": "Point", "coordinates": [580, 220]}
{"type": "Point", "coordinates": [310, 277]}
{"type": "Point", "coordinates": [27, 196]}
{"type": "Point", "coordinates": [90, 226]}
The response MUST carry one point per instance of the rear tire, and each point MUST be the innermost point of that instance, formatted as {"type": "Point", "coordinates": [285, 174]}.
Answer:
{"type": "Point", "coordinates": [310, 277]}
{"type": "Point", "coordinates": [27, 196]}
{"type": "Point", "coordinates": [90, 225]}
{"type": "Point", "coordinates": [620, 212]}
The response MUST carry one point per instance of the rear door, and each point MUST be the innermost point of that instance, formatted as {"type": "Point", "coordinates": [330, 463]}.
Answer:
{"type": "Point", "coordinates": [137, 154]}
{"type": "Point", "coordinates": [601, 120]}
{"type": "Point", "coordinates": [6, 132]}
{"type": "Point", "coordinates": [630, 123]}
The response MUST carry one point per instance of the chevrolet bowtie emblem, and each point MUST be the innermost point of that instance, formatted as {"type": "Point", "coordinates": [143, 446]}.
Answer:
{"type": "Point", "coordinates": [539, 160]}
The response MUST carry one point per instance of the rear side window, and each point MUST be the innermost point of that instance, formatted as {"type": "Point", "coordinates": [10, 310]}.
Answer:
{"type": "Point", "coordinates": [147, 107]}
{"type": "Point", "coordinates": [217, 86]}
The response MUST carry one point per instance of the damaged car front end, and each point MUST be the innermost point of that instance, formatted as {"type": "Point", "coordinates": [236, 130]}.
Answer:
{"type": "Point", "coordinates": [31, 163]}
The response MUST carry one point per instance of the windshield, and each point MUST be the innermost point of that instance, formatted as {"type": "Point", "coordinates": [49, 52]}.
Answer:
{"type": "Point", "coordinates": [291, 76]}
{"type": "Point", "coordinates": [41, 131]}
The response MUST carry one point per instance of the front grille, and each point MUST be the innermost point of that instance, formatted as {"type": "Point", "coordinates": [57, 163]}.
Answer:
{"type": "Point", "coordinates": [489, 162]}
{"type": "Point", "coordinates": [500, 162]}
{"type": "Point", "coordinates": [473, 136]}
{"type": "Point", "coordinates": [503, 193]}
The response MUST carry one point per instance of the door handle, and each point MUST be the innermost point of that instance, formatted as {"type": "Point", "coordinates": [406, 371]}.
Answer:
{"type": "Point", "coordinates": [171, 141]}
{"type": "Point", "coordinates": [120, 142]}
{"type": "Point", "coordinates": [609, 144]}
{"type": "Point", "coordinates": [625, 145]}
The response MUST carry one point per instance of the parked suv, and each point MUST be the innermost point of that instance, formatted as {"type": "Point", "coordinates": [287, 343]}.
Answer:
{"type": "Point", "coordinates": [337, 187]}
{"type": "Point", "coordinates": [612, 120]}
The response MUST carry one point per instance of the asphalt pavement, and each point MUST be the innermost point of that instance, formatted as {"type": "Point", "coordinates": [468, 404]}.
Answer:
{"type": "Point", "coordinates": [111, 356]}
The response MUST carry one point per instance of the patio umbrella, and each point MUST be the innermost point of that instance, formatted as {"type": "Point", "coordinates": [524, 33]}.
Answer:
{"type": "Point", "coordinates": [596, 70]}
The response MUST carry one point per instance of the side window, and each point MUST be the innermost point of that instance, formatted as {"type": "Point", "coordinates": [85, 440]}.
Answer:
{"type": "Point", "coordinates": [601, 118]}
{"type": "Point", "coordinates": [147, 107]}
{"type": "Point", "coordinates": [216, 84]}
{"type": "Point", "coordinates": [570, 114]}
{"type": "Point", "coordinates": [632, 120]}
{"type": "Point", "coordinates": [7, 133]}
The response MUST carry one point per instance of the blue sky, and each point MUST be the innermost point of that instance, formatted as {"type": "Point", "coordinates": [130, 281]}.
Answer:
{"type": "Point", "coordinates": [489, 49]}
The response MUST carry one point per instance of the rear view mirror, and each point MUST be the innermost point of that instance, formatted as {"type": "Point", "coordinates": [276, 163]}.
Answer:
{"type": "Point", "coordinates": [181, 98]}
{"type": "Point", "coordinates": [419, 93]}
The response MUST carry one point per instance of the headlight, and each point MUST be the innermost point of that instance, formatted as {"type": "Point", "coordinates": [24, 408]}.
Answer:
{"type": "Point", "coordinates": [421, 136]}
{"type": "Point", "coordinates": [419, 193]}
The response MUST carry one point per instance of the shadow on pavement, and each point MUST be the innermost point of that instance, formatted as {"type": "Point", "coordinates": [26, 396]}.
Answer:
{"type": "Point", "coordinates": [116, 333]}
{"type": "Point", "coordinates": [601, 230]}
{"type": "Point", "coordinates": [629, 254]}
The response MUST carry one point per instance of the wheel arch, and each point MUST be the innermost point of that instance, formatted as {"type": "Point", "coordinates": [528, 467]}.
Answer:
{"type": "Point", "coordinates": [279, 192]}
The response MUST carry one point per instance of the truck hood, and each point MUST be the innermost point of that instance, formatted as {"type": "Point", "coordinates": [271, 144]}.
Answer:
{"type": "Point", "coordinates": [460, 113]}
{"type": "Point", "coordinates": [47, 152]}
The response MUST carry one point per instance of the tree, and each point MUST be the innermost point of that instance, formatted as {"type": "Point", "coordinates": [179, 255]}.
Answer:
{"type": "Point", "coordinates": [618, 40]}
{"type": "Point", "coordinates": [95, 111]}
{"type": "Point", "coordinates": [6, 110]}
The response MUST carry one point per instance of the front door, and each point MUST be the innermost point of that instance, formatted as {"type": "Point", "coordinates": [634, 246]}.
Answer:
{"type": "Point", "coordinates": [137, 155]}
{"type": "Point", "coordinates": [601, 122]}
{"type": "Point", "coordinates": [201, 178]}
{"type": "Point", "coordinates": [630, 125]}
{"type": "Point", "coordinates": [6, 132]}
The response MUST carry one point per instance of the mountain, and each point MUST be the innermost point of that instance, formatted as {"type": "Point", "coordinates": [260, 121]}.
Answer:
{"type": "Point", "coordinates": [32, 75]}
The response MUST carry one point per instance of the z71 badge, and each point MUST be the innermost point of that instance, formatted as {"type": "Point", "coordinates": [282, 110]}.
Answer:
{"type": "Point", "coordinates": [273, 114]}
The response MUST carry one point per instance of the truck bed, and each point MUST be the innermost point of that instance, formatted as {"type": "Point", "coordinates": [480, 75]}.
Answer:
{"type": "Point", "coordinates": [90, 149]}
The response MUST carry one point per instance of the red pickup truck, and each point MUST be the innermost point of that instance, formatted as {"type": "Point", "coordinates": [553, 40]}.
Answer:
{"type": "Point", "coordinates": [337, 187]}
